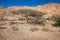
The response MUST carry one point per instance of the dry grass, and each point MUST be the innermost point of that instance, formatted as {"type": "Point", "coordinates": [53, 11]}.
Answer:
{"type": "Point", "coordinates": [47, 29]}
{"type": "Point", "coordinates": [34, 29]}
{"type": "Point", "coordinates": [13, 22]}
{"type": "Point", "coordinates": [2, 28]}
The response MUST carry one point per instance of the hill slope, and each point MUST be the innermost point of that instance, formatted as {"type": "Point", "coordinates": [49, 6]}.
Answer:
{"type": "Point", "coordinates": [29, 23]}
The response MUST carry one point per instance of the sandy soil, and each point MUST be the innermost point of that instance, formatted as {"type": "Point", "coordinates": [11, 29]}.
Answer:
{"type": "Point", "coordinates": [24, 32]}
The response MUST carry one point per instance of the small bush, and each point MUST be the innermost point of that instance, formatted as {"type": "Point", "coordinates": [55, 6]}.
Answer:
{"type": "Point", "coordinates": [57, 22]}
{"type": "Point", "coordinates": [40, 20]}
{"type": "Point", "coordinates": [14, 28]}
{"type": "Point", "coordinates": [35, 13]}
{"type": "Point", "coordinates": [24, 11]}
{"type": "Point", "coordinates": [47, 29]}
{"type": "Point", "coordinates": [54, 17]}
{"type": "Point", "coordinates": [13, 22]}
{"type": "Point", "coordinates": [21, 19]}
{"type": "Point", "coordinates": [34, 29]}
{"type": "Point", "coordinates": [14, 12]}
{"type": "Point", "coordinates": [31, 20]}
{"type": "Point", "coordinates": [2, 18]}
{"type": "Point", "coordinates": [2, 28]}
{"type": "Point", "coordinates": [29, 12]}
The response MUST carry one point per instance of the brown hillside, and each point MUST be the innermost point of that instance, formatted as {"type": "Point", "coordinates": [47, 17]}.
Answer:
{"type": "Point", "coordinates": [49, 9]}
{"type": "Point", "coordinates": [30, 23]}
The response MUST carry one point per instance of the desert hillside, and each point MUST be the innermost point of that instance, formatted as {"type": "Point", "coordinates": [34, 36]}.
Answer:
{"type": "Point", "coordinates": [50, 9]}
{"type": "Point", "coordinates": [40, 22]}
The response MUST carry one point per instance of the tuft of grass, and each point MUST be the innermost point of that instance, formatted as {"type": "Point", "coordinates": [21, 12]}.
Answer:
{"type": "Point", "coordinates": [13, 22]}
{"type": "Point", "coordinates": [14, 28]}
{"type": "Point", "coordinates": [21, 19]}
{"type": "Point", "coordinates": [34, 29]}
{"type": "Point", "coordinates": [2, 28]}
{"type": "Point", "coordinates": [47, 29]}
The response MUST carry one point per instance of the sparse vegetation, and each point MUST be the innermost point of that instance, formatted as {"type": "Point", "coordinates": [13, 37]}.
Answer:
{"type": "Point", "coordinates": [31, 13]}
{"type": "Point", "coordinates": [40, 20]}
{"type": "Point", "coordinates": [57, 22]}
{"type": "Point", "coordinates": [14, 12]}
{"type": "Point", "coordinates": [36, 21]}
{"type": "Point", "coordinates": [47, 29]}
{"type": "Point", "coordinates": [13, 22]}
{"type": "Point", "coordinates": [31, 20]}
{"type": "Point", "coordinates": [14, 28]}
{"type": "Point", "coordinates": [21, 19]}
{"type": "Point", "coordinates": [28, 12]}
{"type": "Point", "coordinates": [3, 19]}
{"type": "Point", "coordinates": [54, 17]}
{"type": "Point", "coordinates": [2, 28]}
{"type": "Point", "coordinates": [34, 29]}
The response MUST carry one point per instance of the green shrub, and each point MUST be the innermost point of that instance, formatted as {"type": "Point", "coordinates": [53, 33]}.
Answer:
{"type": "Point", "coordinates": [35, 13]}
{"type": "Point", "coordinates": [23, 11]}
{"type": "Point", "coordinates": [14, 12]}
{"type": "Point", "coordinates": [29, 12]}
{"type": "Point", "coordinates": [57, 22]}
